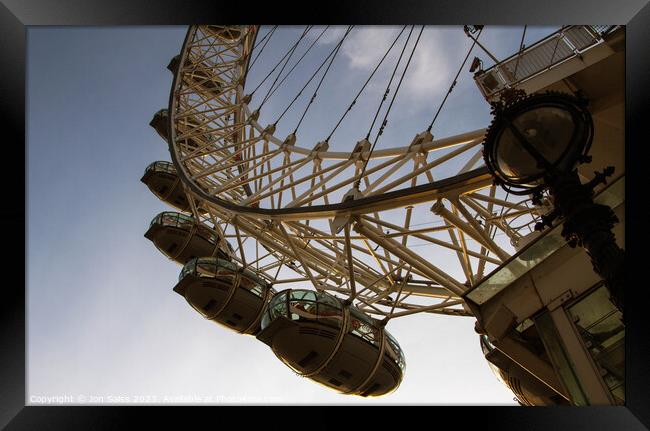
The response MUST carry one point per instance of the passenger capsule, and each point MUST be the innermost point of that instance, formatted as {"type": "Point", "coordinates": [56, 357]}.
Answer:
{"type": "Point", "coordinates": [227, 33]}
{"type": "Point", "coordinates": [181, 238]}
{"type": "Point", "coordinates": [198, 76]}
{"type": "Point", "coordinates": [225, 293]}
{"type": "Point", "coordinates": [319, 337]}
{"type": "Point", "coordinates": [164, 182]}
{"type": "Point", "coordinates": [527, 389]}
{"type": "Point", "coordinates": [160, 123]}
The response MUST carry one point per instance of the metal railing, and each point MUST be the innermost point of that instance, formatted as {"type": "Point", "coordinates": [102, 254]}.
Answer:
{"type": "Point", "coordinates": [566, 43]}
{"type": "Point", "coordinates": [536, 252]}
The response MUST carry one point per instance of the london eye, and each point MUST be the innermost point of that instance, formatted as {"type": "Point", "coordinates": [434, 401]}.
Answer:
{"type": "Point", "coordinates": [315, 246]}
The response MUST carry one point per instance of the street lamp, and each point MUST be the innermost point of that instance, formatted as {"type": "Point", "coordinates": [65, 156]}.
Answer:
{"type": "Point", "coordinates": [534, 144]}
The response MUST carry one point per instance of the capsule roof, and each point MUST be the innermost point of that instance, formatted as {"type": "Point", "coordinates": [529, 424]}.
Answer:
{"type": "Point", "coordinates": [161, 166]}
{"type": "Point", "coordinates": [208, 267]}
{"type": "Point", "coordinates": [172, 218]}
{"type": "Point", "coordinates": [163, 181]}
{"type": "Point", "coordinates": [181, 238]}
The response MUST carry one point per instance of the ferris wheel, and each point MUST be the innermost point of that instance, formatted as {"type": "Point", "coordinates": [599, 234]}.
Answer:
{"type": "Point", "coordinates": [314, 247]}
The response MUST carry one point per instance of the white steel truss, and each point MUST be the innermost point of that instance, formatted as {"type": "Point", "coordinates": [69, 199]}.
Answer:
{"type": "Point", "coordinates": [425, 224]}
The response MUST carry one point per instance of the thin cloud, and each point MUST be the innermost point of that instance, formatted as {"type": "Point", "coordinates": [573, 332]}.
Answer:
{"type": "Point", "coordinates": [332, 35]}
{"type": "Point", "coordinates": [365, 46]}
{"type": "Point", "coordinates": [439, 52]}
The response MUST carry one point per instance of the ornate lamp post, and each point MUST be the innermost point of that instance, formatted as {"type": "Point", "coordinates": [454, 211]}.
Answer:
{"type": "Point", "coordinates": [534, 144]}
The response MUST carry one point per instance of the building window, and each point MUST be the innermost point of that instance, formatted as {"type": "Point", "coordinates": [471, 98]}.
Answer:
{"type": "Point", "coordinates": [600, 325]}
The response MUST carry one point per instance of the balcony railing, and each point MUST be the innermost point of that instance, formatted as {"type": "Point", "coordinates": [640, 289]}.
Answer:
{"type": "Point", "coordinates": [566, 43]}
{"type": "Point", "coordinates": [536, 252]}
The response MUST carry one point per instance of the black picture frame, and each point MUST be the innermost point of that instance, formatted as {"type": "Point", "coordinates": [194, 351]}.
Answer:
{"type": "Point", "coordinates": [16, 15]}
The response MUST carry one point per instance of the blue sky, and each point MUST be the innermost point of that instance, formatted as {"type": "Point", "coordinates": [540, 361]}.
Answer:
{"type": "Point", "coordinates": [102, 318]}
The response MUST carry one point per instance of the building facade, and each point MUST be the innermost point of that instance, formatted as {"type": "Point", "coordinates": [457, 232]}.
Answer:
{"type": "Point", "coordinates": [547, 325]}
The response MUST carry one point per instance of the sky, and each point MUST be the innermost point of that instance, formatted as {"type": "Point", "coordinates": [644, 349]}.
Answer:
{"type": "Point", "coordinates": [103, 324]}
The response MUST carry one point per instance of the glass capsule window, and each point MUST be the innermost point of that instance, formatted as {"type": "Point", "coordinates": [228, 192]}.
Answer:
{"type": "Point", "coordinates": [174, 219]}
{"type": "Point", "coordinates": [252, 275]}
{"type": "Point", "coordinates": [304, 305]}
{"type": "Point", "coordinates": [189, 268]}
{"type": "Point", "coordinates": [394, 351]}
{"type": "Point", "coordinates": [277, 307]}
{"type": "Point", "coordinates": [161, 166]}
{"type": "Point", "coordinates": [254, 284]}
{"type": "Point", "coordinates": [310, 305]}
{"type": "Point", "coordinates": [185, 222]}
{"type": "Point", "coordinates": [208, 267]}
{"type": "Point", "coordinates": [313, 305]}
{"type": "Point", "coordinates": [363, 327]}
{"type": "Point", "coordinates": [225, 272]}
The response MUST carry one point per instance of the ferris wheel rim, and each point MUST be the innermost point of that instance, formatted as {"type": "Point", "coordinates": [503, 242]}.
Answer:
{"type": "Point", "coordinates": [477, 178]}
{"type": "Point", "coordinates": [267, 225]}
{"type": "Point", "coordinates": [445, 142]}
